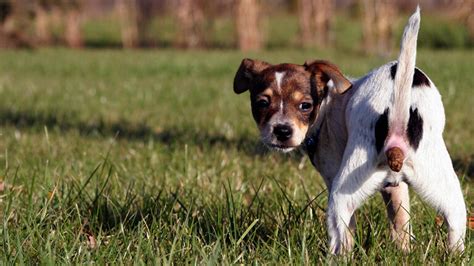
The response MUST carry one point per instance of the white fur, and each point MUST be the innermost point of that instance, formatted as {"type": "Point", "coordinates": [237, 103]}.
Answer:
{"type": "Point", "coordinates": [404, 77]}
{"type": "Point", "coordinates": [278, 78]}
{"type": "Point", "coordinates": [347, 159]}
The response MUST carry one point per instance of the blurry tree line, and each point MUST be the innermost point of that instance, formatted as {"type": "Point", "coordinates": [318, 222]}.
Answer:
{"type": "Point", "coordinates": [33, 23]}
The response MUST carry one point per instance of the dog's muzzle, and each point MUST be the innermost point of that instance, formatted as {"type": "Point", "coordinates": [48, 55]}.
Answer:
{"type": "Point", "coordinates": [282, 132]}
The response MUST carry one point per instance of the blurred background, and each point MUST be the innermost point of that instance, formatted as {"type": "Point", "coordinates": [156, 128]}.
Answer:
{"type": "Point", "coordinates": [366, 26]}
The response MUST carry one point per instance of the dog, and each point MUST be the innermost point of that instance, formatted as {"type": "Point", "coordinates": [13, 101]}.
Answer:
{"type": "Point", "coordinates": [381, 132]}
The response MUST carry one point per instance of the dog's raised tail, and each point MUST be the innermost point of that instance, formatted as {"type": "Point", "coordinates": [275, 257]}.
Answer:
{"type": "Point", "coordinates": [396, 145]}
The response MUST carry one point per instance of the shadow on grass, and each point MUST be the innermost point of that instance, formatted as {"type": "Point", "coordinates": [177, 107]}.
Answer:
{"type": "Point", "coordinates": [136, 131]}
{"type": "Point", "coordinates": [171, 136]}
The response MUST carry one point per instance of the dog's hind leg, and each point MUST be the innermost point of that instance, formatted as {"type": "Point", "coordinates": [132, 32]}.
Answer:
{"type": "Point", "coordinates": [397, 201]}
{"type": "Point", "coordinates": [354, 183]}
{"type": "Point", "coordinates": [437, 183]}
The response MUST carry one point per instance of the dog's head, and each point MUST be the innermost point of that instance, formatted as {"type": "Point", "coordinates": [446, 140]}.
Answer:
{"type": "Point", "coordinates": [285, 98]}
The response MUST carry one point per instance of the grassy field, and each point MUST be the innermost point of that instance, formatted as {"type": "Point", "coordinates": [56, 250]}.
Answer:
{"type": "Point", "coordinates": [148, 157]}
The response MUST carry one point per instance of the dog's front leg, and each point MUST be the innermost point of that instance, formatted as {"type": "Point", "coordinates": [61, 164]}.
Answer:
{"type": "Point", "coordinates": [339, 215]}
{"type": "Point", "coordinates": [350, 188]}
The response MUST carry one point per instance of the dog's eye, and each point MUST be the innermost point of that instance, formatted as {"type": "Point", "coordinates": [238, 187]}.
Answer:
{"type": "Point", "coordinates": [263, 103]}
{"type": "Point", "coordinates": [306, 106]}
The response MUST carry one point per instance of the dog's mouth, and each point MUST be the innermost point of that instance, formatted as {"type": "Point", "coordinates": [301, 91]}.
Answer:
{"type": "Point", "coordinates": [280, 147]}
{"type": "Point", "coordinates": [281, 138]}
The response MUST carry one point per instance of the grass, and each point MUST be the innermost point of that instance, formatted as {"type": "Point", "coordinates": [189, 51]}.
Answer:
{"type": "Point", "coordinates": [148, 157]}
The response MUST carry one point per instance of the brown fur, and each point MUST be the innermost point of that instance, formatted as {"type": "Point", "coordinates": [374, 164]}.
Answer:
{"type": "Point", "coordinates": [395, 159]}
{"type": "Point", "coordinates": [398, 209]}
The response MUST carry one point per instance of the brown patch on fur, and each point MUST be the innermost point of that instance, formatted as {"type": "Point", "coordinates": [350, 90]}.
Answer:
{"type": "Point", "coordinates": [395, 158]}
{"type": "Point", "coordinates": [247, 74]}
{"type": "Point", "coordinates": [268, 92]}
{"type": "Point", "coordinates": [321, 80]}
{"type": "Point", "coordinates": [301, 125]}
{"type": "Point", "coordinates": [325, 71]}
{"type": "Point", "coordinates": [297, 96]}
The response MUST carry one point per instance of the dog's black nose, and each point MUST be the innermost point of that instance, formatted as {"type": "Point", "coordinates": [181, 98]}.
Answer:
{"type": "Point", "coordinates": [282, 132]}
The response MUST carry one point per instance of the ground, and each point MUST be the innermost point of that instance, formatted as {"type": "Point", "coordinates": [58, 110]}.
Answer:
{"type": "Point", "coordinates": [149, 156]}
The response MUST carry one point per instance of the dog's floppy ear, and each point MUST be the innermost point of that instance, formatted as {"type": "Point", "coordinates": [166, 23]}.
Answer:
{"type": "Point", "coordinates": [247, 74]}
{"type": "Point", "coordinates": [325, 71]}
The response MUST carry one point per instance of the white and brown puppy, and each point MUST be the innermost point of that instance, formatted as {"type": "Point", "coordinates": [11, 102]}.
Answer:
{"type": "Point", "coordinates": [379, 133]}
{"type": "Point", "coordinates": [285, 97]}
